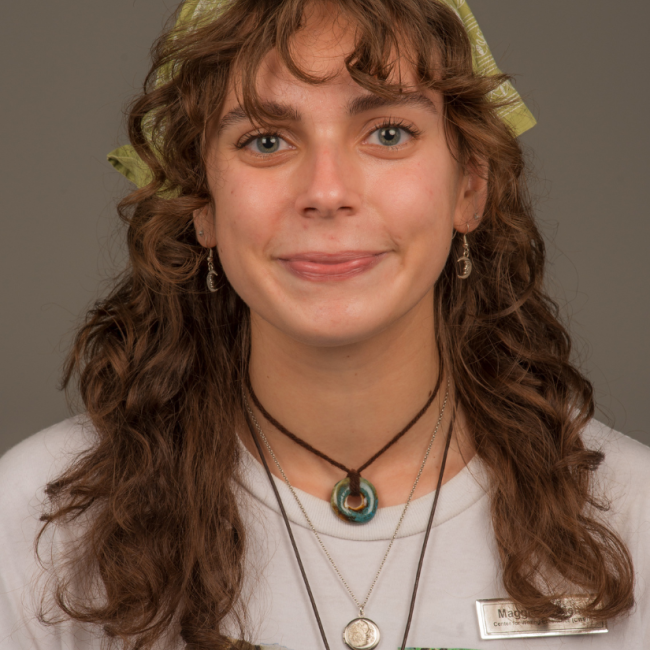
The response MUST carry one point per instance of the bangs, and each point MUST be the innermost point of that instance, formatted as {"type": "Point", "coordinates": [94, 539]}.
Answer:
{"type": "Point", "coordinates": [387, 43]}
{"type": "Point", "coordinates": [426, 37]}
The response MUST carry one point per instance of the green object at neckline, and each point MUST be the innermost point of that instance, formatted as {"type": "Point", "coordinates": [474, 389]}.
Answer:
{"type": "Point", "coordinates": [355, 515]}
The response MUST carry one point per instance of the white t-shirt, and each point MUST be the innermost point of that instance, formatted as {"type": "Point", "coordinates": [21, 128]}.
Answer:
{"type": "Point", "coordinates": [460, 567]}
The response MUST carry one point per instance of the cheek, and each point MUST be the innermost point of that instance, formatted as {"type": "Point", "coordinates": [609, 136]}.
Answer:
{"type": "Point", "coordinates": [418, 205]}
{"type": "Point", "coordinates": [248, 208]}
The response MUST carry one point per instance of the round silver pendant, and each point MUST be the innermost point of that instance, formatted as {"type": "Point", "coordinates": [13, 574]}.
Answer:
{"type": "Point", "coordinates": [361, 634]}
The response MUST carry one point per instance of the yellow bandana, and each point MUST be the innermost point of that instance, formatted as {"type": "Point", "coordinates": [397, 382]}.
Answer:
{"type": "Point", "coordinates": [515, 114]}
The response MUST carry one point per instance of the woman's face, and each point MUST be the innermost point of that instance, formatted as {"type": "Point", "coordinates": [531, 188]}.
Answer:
{"type": "Point", "coordinates": [336, 224]}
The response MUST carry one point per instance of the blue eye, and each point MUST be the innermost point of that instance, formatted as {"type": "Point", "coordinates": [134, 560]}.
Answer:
{"type": "Point", "coordinates": [266, 143]}
{"type": "Point", "coordinates": [390, 135]}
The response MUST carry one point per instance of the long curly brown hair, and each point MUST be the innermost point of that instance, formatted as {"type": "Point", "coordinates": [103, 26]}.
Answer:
{"type": "Point", "coordinates": [159, 361]}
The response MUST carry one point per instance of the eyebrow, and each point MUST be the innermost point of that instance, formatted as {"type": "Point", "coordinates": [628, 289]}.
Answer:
{"type": "Point", "coordinates": [238, 115]}
{"type": "Point", "coordinates": [355, 106]}
{"type": "Point", "coordinates": [370, 102]}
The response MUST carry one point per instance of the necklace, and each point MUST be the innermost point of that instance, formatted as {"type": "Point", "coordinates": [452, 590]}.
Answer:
{"type": "Point", "coordinates": [361, 633]}
{"type": "Point", "coordinates": [353, 485]}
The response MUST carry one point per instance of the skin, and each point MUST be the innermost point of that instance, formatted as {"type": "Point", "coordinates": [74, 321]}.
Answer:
{"type": "Point", "coordinates": [343, 349]}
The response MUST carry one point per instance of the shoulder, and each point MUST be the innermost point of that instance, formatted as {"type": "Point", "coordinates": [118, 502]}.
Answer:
{"type": "Point", "coordinates": [622, 486]}
{"type": "Point", "coordinates": [26, 469]}
{"type": "Point", "coordinates": [626, 461]}
{"type": "Point", "coordinates": [622, 483]}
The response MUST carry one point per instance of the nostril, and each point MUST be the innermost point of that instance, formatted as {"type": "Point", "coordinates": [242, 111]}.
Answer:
{"type": "Point", "coordinates": [325, 213]}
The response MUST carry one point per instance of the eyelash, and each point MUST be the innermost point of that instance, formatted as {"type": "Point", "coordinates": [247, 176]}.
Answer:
{"type": "Point", "coordinates": [414, 132]}
{"type": "Point", "coordinates": [386, 124]}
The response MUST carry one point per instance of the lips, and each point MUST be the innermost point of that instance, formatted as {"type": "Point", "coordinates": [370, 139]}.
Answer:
{"type": "Point", "coordinates": [317, 266]}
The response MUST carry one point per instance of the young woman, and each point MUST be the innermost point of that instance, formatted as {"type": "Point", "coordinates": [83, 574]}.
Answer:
{"type": "Point", "coordinates": [329, 404]}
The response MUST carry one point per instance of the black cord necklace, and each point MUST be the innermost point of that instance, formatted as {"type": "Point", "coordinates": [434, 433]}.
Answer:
{"type": "Point", "coordinates": [353, 485]}
{"type": "Point", "coordinates": [297, 553]}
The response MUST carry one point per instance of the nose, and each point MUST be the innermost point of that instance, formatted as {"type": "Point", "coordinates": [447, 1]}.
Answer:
{"type": "Point", "coordinates": [329, 184]}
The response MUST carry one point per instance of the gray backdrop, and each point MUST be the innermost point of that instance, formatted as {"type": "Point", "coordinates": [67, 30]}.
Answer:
{"type": "Point", "coordinates": [70, 66]}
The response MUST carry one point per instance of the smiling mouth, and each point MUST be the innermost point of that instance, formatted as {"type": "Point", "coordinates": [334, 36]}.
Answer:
{"type": "Point", "coordinates": [322, 267]}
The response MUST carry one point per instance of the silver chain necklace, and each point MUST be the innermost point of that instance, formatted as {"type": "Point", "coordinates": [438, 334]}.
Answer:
{"type": "Point", "coordinates": [361, 633]}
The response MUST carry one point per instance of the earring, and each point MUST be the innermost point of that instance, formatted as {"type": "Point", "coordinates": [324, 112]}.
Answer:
{"type": "Point", "coordinates": [200, 233]}
{"type": "Point", "coordinates": [212, 274]}
{"type": "Point", "coordinates": [464, 263]}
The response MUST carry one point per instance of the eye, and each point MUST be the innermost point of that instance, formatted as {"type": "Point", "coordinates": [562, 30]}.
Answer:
{"type": "Point", "coordinates": [390, 135]}
{"type": "Point", "coordinates": [264, 143]}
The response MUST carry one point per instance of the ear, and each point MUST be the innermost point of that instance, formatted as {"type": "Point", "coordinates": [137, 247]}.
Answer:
{"type": "Point", "coordinates": [204, 226]}
{"type": "Point", "coordinates": [472, 196]}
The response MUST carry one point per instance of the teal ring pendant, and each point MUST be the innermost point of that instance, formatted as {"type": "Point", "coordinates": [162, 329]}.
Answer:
{"type": "Point", "coordinates": [360, 514]}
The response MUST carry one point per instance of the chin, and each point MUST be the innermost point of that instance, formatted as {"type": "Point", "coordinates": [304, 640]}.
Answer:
{"type": "Point", "coordinates": [333, 316]}
{"type": "Point", "coordinates": [336, 331]}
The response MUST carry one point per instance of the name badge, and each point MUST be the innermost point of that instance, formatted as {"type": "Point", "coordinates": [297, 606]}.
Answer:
{"type": "Point", "coordinates": [503, 619]}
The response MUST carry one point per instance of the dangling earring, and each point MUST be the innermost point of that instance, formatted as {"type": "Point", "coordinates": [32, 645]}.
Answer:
{"type": "Point", "coordinates": [212, 274]}
{"type": "Point", "coordinates": [464, 263]}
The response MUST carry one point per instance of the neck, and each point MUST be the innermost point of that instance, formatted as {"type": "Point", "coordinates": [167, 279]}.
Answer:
{"type": "Point", "coordinates": [349, 401]}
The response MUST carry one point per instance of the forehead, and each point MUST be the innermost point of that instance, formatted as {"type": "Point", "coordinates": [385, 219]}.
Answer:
{"type": "Point", "coordinates": [319, 49]}
{"type": "Point", "coordinates": [320, 46]}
